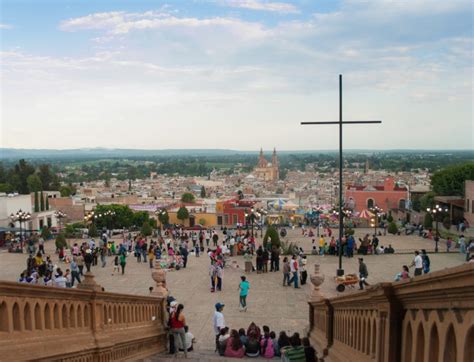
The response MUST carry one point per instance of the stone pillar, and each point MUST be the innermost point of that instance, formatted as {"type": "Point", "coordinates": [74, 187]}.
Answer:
{"type": "Point", "coordinates": [316, 279]}
{"type": "Point", "coordinates": [160, 290]}
{"type": "Point", "coordinates": [89, 283]}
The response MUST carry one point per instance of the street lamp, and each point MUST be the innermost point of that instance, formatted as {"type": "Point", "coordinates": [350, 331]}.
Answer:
{"type": "Point", "coordinates": [20, 217]}
{"type": "Point", "coordinates": [377, 211]}
{"type": "Point", "coordinates": [60, 215]}
{"type": "Point", "coordinates": [159, 213]}
{"type": "Point", "coordinates": [435, 212]}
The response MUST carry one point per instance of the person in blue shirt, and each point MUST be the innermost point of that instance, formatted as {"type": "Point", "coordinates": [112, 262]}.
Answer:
{"type": "Point", "coordinates": [244, 287]}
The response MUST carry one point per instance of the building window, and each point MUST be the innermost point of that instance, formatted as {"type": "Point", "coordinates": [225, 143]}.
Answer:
{"type": "Point", "coordinates": [226, 219]}
{"type": "Point", "coordinates": [41, 223]}
{"type": "Point", "coordinates": [467, 205]}
{"type": "Point", "coordinates": [219, 220]}
{"type": "Point", "coordinates": [234, 219]}
{"type": "Point", "coordinates": [370, 203]}
{"type": "Point", "coordinates": [49, 222]}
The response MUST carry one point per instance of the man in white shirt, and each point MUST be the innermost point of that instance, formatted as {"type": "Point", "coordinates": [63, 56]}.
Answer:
{"type": "Point", "coordinates": [218, 322]}
{"type": "Point", "coordinates": [294, 271]}
{"type": "Point", "coordinates": [60, 280]}
{"type": "Point", "coordinates": [418, 263]}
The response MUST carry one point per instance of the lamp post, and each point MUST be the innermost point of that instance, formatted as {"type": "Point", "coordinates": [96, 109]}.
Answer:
{"type": "Point", "coordinates": [435, 212]}
{"type": "Point", "coordinates": [160, 213]}
{"type": "Point", "coordinates": [20, 217]}
{"type": "Point", "coordinates": [377, 213]}
{"type": "Point", "coordinates": [60, 215]}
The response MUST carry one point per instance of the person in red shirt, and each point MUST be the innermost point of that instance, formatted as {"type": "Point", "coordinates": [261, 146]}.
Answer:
{"type": "Point", "coordinates": [177, 323]}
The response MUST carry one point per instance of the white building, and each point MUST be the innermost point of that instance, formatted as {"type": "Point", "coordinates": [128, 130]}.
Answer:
{"type": "Point", "coordinates": [12, 203]}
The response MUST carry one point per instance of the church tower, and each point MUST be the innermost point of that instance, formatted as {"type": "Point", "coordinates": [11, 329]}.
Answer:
{"type": "Point", "coordinates": [366, 168]}
{"type": "Point", "coordinates": [275, 164]}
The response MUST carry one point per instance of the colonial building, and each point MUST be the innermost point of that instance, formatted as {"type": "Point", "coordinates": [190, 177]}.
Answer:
{"type": "Point", "coordinates": [267, 171]}
{"type": "Point", "coordinates": [387, 196]}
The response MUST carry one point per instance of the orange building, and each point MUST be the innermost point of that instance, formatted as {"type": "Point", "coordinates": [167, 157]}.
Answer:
{"type": "Point", "coordinates": [387, 196]}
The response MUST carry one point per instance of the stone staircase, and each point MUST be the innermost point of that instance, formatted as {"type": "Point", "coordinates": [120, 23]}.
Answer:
{"type": "Point", "coordinates": [201, 356]}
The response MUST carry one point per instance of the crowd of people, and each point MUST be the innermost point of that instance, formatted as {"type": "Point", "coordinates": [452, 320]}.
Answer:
{"type": "Point", "coordinates": [255, 342]}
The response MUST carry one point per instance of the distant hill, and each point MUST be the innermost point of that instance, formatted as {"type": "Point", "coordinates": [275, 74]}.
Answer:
{"type": "Point", "coordinates": [99, 153]}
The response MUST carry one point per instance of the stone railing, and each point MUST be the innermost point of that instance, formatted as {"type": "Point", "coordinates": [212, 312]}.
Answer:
{"type": "Point", "coordinates": [427, 318]}
{"type": "Point", "coordinates": [56, 324]}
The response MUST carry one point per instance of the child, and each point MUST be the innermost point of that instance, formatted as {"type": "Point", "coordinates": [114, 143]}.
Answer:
{"type": "Point", "coordinates": [197, 248]}
{"type": "Point", "coordinates": [116, 265]}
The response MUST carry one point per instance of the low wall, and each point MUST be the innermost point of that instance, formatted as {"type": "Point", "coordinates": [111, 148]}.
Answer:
{"type": "Point", "coordinates": [39, 323]}
{"type": "Point", "coordinates": [425, 319]}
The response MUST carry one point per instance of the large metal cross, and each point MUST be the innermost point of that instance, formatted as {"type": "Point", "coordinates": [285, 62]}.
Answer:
{"type": "Point", "coordinates": [340, 271]}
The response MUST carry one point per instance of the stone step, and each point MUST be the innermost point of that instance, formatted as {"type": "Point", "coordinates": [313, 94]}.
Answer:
{"type": "Point", "coordinates": [201, 356]}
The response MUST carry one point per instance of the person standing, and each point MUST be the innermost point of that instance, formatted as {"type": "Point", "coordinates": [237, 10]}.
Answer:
{"type": "Point", "coordinates": [426, 261]}
{"type": "Point", "coordinates": [177, 323]}
{"type": "Point", "coordinates": [418, 263]}
{"type": "Point", "coordinates": [123, 262]}
{"type": "Point", "coordinates": [88, 259]}
{"type": "Point", "coordinates": [74, 272]}
{"type": "Point", "coordinates": [218, 322]}
{"type": "Point", "coordinates": [286, 272]}
{"type": "Point", "coordinates": [294, 271]}
{"type": "Point", "coordinates": [363, 274]}
{"type": "Point", "coordinates": [244, 287]}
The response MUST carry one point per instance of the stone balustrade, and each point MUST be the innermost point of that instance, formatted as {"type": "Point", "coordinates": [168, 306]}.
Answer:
{"type": "Point", "coordinates": [56, 324]}
{"type": "Point", "coordinates": [427, 318]}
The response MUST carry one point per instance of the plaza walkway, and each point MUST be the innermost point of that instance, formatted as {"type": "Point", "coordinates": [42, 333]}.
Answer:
{"type": "Point", "coordinates": [281, 308]}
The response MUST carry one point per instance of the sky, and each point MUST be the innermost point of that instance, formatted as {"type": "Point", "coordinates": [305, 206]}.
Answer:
{"type": "Point", "coordinates": [235, 74]}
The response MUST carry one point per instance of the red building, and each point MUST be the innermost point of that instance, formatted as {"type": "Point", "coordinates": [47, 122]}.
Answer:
{"type": "Point", "coordinates": [387, 196]}
{"type": "Point", "coordinates": [232, 212]}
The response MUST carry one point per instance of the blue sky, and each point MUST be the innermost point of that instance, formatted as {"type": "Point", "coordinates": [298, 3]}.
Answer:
{"type": "Point", "coordinates": [235, 74]}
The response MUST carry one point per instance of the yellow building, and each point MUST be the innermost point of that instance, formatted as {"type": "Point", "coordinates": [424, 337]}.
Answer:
{"type": "Point", "coordinates": [203, 218]}
{"type": "Point", "coordinates": [267, 171]}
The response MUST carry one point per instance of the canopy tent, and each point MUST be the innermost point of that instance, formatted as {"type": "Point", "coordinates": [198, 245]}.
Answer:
{"type": "Point", "coordinates": [365, 214]}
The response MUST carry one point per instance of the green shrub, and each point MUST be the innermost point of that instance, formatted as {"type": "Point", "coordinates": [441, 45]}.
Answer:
{"type": "Point", "coordinates": [289, 248]}
{"type": "Point", "coordinates": [271, 234]}
{"type": "Point", "coordinates": [392, 228]}
{"type": "Point", "coordinates": [428, 221]}
{"type": "Point", "coordinates": [61, 241]}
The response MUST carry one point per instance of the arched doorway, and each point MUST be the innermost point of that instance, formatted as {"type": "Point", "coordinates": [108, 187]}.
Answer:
{"type": "Point", "coordinates": [468, 347]}
{"type": "Point", "coordinates": [408, 344]}
{"type": "Point", "coordinates": [370, 203]}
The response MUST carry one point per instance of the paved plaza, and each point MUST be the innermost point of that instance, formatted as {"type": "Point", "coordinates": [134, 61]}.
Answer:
{"type": "Point", "coordinates": [282, 308]}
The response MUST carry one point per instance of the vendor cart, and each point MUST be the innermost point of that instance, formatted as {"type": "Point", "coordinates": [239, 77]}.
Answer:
{"type": "Point", "coordinates": [346, 280]}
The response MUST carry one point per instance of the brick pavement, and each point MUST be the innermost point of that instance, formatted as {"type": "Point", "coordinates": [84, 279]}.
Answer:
{"type": "Point", "coordinates": [282, 308]}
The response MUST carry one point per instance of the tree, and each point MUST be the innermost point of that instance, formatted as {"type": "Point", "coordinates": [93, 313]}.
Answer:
{"type": "Point", "coordinates": [47, 202]}
{"type": "Point", "coordinates": [146, 229]}
{"type": "Point", "coordinates": [6, 187]}
{"type": "Point", "coordinates": [45, 232]}
{"type": "Point", "coordinates": [140, 217]}
{"type": "Point", "coordinates": [183, 213]}
{"type": "Point", "coordinates": [447, 222]}
{"type": "Point", "coordinates": [202, 221]}
{"type": "Point", "coordinates": [41, 201]}
{"type": "Point", "coordinates": [92, 232]}
{"type": "Point", "coordinates": [37, 208]}
{"type": "Point", "coordinates": [427, 200]}
{"type": "Point", "coordinates": [203, 192]}
{"type": "Point", "coordinates": [392, 228]}
{"type": "Point", "coordinates": [188, 197]}
{"type": "Point", "coordinates": [22, 170]}
{"type": "Point", "coordinates": [61, 241]}
{"type": "Point", "coordinates": [390, 217]}
{"type": "Point", "coordinates": [428, 221]}
{"type": "Point", "coordinates": [164, 217]}
{"type": "Point", "coordinates": [240, 194]}
{"type": "Point", "coordinates": [67, 190]}
{"type": "Point", "coordinates": [153, 223]}
{"type": "Point", "coordinates": [450, 180]}
{"type": "Point", "coordinates": [34, 183]}
{"type": "Point", "coordinates": [272, 234]}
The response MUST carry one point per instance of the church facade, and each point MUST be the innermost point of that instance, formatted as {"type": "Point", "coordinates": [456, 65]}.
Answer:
{"type": "Point", "coordinates": [267, 171]}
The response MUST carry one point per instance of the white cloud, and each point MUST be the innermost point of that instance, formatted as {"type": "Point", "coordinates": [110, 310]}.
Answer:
{"type": "Point", "coordinates": [6, 26]}
{"type": "Point", "coordinates": [277, 7]}
{"type": "Point", "coordinates": [119, 22]}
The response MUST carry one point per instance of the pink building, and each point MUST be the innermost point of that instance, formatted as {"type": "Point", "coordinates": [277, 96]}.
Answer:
{"type": "Point", "coordinates": [387, 196]}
